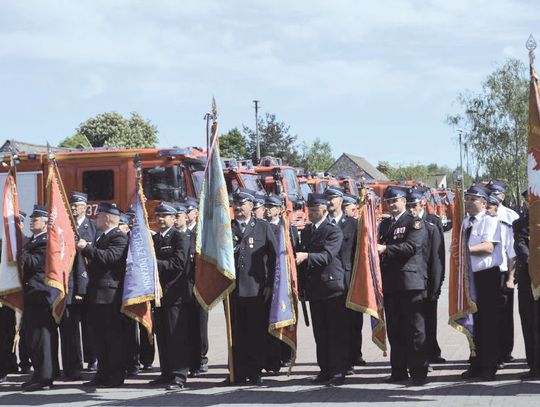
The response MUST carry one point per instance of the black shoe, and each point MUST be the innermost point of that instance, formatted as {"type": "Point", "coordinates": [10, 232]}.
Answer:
{"type": "Point", "coordinates": [111, 385]}
{"type": "Point", "coordinates": [285, 363]}
{"type": "Point", "coordinates": [256, 380]}
{"type": "Point", "coordinates": [147, 368]}
{"type": "Point", "coordinates": [500, 365]}
{"type": "Point", "coordinates": [419, 381]}
{"type": "Point", "coordinates": [203, 368]}
{"type": "Point", "coordinates": [430, 368]}
{"type": "Point", "coordinates": [3, 378]}
{"type": "Point", "coordinates": [470, 374]}
{"type": "Point", "coordinates": [530, 375]}
{"type": "Point", "coordinates": [238, 381]}
{"type": "Point", "coordinates": [132, 373]}
{"type": "Point", "coordinates": [37, 386]}
{"type": "Point", "coordinates": [320, 379]}
{"type": "Point", "coordinates": [271, 372]}
{"type": "Point", "coordinates": [194, 373]}
{"type": "Point", "coordinates": [437, 360]}
{"type": "Point", "coordinates": [509, 359]}
{"type": "Point", "coordinates": [488, 377]}
{"type": "Point", "coordinates": [73, 377]}
{"type": "Point", "coordinates": [176, 384]}
{"type": "Point", "coordinates": [337, 380]}
{"type": "Point", "coordinates": [350, 371]}
{"type": "Point", "coordinates": [159, 381]}
{"type": "Point", "coordinates": [360, 362]}
{"type": "Point", "coordinates": [91, 367]}
{"type": "Point", "coordinates": [26, 370]}
{"type": "Point", "coordinates": [396, 378]}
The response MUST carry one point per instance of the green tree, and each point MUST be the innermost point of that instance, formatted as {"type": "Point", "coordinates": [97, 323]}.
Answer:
{"type": "Point", "coordinates": [76, 141]}
{"type": "Point", "coordinates": [233, 145]}
{"type": "Point", "coordinates": [316, 157]}
{"type": "Point", "coordinates": [274, 140]}
{"type": "Point", "coordinates": [112, 129]}
{"type": "Point", "coordinates": [493, 124]}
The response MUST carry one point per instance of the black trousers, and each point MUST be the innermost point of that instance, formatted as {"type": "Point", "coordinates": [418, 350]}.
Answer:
{"type": "Point", "coordinates": [356, 322]}
{"type": "Point", "coordinates": [107, 323]}
{"type": "Point", "coordinates": [406, 332]}
{"type": "Point", "coordinates": [249, 324]}
{"type": "Point", "coordinates": [70, 340]}
{"type": "Point", "coordinates": [529, 313]}
{"type": "Point", "coordinates": [131, 344]}
{"type": "Point", "coordinates": [198, 329]}
{"type": "Point", "coordinates": [42, 341]}
{"type": "Point", "coordinates": [24, 352]}
{"type": "Point", "coordinates": [506, 322]}
{"type": "Point", "coordinates": [331, 332]}
{"type": "Point", "coordinates": [486, 321]}
{"type": "Point", "coordinates": [430, 313]}
{"type": "Point", "coordinates": [146, 348]}
{"type": "Point", "coordinates": [8, 359]}
{"type": "Point", "coordinates": [173, 340]}
{"type": "Point", "coordinates": [89, 347]}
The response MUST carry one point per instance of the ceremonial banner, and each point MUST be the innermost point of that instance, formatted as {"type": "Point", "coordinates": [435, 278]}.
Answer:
{"type": "Point", "coordinates": [214, 262]}
{"type": "Point", "coordinates": [461, 289]}
{"type": "Point", "coordinates": [533, 173]}
{"type": "Point", "coordinates": [141, 282]}
{"type": "Point", "coordinates": [365, 291]}
{"type": "Point", "coordinates": [284, 304]}
{"type": "Point", "coordinates": [11, 293]}
{"type": "Point", "coordinates": [60, 243]}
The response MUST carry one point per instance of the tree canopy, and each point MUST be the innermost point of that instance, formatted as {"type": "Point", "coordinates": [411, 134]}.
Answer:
{"type": "Point", "coordinates": [494, 122]}
{"type": "Point", "coordinates": [113, 130]}
{"type": "Point", "coordinates": [233, 145]}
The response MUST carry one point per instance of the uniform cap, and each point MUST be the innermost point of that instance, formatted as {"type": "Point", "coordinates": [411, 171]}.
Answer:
{"type": "Point", "coordinates": [496, 186]}
{"type": "Point", "coordinates": [259, 200]}
{"type": "Point", "coordinates": [315, 199]}
{"type": "Point", "coordinates": [190, 203]}
{"type": "Point", "coordinates": [349, 199]}
{"type": "Point", "coordinates": [124, 219]}
{"type": "Point", "coordinates": [22, 215]}
{"type": "Point", "coordinates": [40, 211]}
{"type": "Point", "coordinates": [180, 208]}
{"type": "Point", "coordinates": [333, 191]}
{"type": "Point", "coordinates": [165, 208]}
{"type": "Point", "coordinates": [478, 190]}
{"type": "Point", "coordinates": [414, 196]}
{"type": "Point", "coordinates": [273, 200]}
{"type": "Point", "coordinates": [493, 200]}
{"type": "Point", "coordinates": [243, 195]}
{"type": "Point", "coordinates": [75, 197]}
{"type": "Point", "coordinates": [111, 208]}
{"type": "Point", "coordinates": [393, 192]}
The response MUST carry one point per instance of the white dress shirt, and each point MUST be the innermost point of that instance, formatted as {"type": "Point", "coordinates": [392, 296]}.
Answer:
{"type": "Point", "coordinates": [486, 228]}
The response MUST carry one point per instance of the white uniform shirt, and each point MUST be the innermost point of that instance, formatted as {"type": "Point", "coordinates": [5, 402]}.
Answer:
{"type": "Point", "coordinates": [486, 228]}
{"type": "Point", "coordinates": [507, 241]}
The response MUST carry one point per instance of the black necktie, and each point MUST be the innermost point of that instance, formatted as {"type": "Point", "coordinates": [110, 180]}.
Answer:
{"type": "Point", "coordinates": [334, 221]}
{"type": "Point", "coordinates": [100, 236]}
{"type": "Point", "coordinates": [472, 219]}
{"type": "Point", "coordinates": [243, 227]}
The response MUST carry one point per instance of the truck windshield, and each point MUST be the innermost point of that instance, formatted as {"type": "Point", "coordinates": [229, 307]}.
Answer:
{"type": "Point", "coordinates": [251, 181]}
{"type": "Point", "coordinates": [306, 190]}
{"type": "Point", "coordinates": [293, 188]}
{"type": "Point", "coordinates": [163, 183]}
{"type": "Point", "coordinates": [197, 177]}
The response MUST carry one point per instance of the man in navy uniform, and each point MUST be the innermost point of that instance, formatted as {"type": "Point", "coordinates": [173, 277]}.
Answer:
{"type": "Point", "coordinates": [404, 280]}
{"type": "Point", "coordinates": [323, 279]}
{"type": "Point", "coordinates": [483, 236]}
{"type": "Point", "coordinates": [255, 261]}
{"type": "Point", "coordinates": [349, 228]}
{"type": "Point", "coordinates": [434, 255]}
{"type": "Point", "coordinates": [350, 205]}
{"type": "Point", "coordinates": [198, 316]}
{"type": "Point", "coordinates": [40, 328]}
{"type": "Point", "coordinates": [506, 217]}
{"type": "Point", "coordinates": [70, 333]}
{"type": "Point", "coordinates": [172, 253]}
{"type": "Point", "coordinates": [106, 270]}
{"type": "Point", "coordinates": [259, 211]}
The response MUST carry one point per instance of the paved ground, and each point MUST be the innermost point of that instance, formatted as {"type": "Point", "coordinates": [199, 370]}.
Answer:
{"type": "Point", "coordinates": [444, 388]}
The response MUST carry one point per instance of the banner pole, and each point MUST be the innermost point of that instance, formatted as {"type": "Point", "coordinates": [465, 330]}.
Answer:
{"type": "Point", "coordinates": [227, 306]}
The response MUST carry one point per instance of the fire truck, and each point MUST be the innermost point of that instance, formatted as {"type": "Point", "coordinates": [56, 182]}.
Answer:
{"type": "Point", "coordinates": [281, 180]}
{"type": "Point", "coordinates": [108, 175]}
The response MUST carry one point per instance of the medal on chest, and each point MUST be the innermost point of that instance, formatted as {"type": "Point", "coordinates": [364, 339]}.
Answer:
{"type": "Point", "coordinates": [250, 242]}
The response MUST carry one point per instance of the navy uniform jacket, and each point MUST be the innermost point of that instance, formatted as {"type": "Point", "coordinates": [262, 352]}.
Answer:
{"type": "Point", "coordinates": [106, 268]}
{"type": "Point", "coordinates": [172, 253]}
{"type": "Point", "coordinates": [521, 246]}
{"type": "Point", "coordinates": [434, 219]}
{"type": "Point", "coordinates": [435, 265]}
{"type": "Point", "coordinates": [192, 235]}
{"type": "Point", "coordinates": [78, 278]}
{"type": "Point", "coordinates": [254, 257]}
{"type": "Point", "coordinates": [403, 266]}
{"type": "Point", "coordinates": [35, 291]}
{"type": "Point", "coordinates": [349, 228]}
{"type": "Point", "coordinates": [322, 274]}
{"type": "Point", "coordinates": [293, 233]}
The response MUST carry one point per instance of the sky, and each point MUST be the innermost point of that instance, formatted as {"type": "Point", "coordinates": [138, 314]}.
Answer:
{"type": "Point", "coordinates": [374, 79]}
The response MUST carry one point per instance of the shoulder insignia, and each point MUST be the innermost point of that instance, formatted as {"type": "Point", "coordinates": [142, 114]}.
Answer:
{"type": "Point", "coordinates": [252, 223]}
{"type": "Point", "coordinates": [417, 224]}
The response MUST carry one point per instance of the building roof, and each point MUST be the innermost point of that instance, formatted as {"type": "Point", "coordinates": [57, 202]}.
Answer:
{"type": "Point", "coordinates": [362, 163]}
{"type": "Point", "coordinates": [20, 147]}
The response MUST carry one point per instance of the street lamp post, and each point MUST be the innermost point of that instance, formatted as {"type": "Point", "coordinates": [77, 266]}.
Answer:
{"type": "Point", "coordinates": [257, 130]}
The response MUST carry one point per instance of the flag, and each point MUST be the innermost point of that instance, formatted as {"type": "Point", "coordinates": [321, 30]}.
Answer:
{"type": "Point", "coordinates": [365, 291]}
{"type": "Point", "coordinates": [284, 304]}
{"type": "Point", "coordinates": [533, 174]}
{"type": "Point", "coordinates": [141, 282]}
{"type": "Point", "coordinates": [61, 231]}
{"type": "Point", "coordinates": [11, 292]}
{"type": "Point", "coordinates": [214, 262]}
{"type": "Point", "coordinates": [461, 290]}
